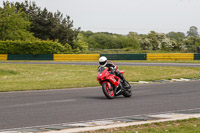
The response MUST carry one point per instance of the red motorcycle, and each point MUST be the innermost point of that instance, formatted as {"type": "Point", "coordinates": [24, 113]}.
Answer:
{"type": "Point", "coordinates": [112, 85]}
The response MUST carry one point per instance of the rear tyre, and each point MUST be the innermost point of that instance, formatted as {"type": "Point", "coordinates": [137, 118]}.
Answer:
{"type": "Point", "coordinates": [127, 92]}
{"type": "Point", "coordinates": [108, 90]}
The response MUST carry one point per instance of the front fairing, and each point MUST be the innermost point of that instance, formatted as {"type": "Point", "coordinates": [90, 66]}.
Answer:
{"type": "Point", "coordinates": [102, 73]}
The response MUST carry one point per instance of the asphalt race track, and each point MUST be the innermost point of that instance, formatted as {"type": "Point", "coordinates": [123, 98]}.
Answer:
{"type": "Point", "coordinates": [36, 108]}
{"type": "Point", "coordinates": [117, 63]}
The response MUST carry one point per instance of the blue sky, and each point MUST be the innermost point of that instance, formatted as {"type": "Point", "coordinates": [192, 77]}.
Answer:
{"type": "Point", "coordinates": [123, 16]}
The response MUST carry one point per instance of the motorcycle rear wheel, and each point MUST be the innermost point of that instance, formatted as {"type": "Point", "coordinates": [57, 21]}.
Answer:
{"type": "Point", "coordinates": [127, 92]}
{"type": "Point", "coordinates": [108, 90]}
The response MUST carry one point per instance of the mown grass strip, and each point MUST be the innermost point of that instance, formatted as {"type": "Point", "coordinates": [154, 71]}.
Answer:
{"type": "Point", "coordinates": [56, 76]}
{"type": "Point", "coordinates": [7, 72]}
{"type": "Point", "coordinates": [180, 126]}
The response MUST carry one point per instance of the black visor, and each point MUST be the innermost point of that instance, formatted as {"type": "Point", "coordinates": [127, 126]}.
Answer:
{"type": "Point", "coordinates": [102, 63]}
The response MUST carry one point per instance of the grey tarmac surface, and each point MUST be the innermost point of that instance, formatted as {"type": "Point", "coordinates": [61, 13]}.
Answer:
{"type": "Point", "coordinates": [36, 108]}
{"type": "Point", "coordinates": [117, 63]}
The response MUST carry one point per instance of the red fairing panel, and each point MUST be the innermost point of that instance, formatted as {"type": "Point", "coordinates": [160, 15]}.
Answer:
{"type": "Point", "coordinates": [114, 80]}
{"type": "Point", "coordinates": [122, 72]}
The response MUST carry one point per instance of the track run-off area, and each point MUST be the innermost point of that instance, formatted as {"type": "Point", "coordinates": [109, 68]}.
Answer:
{"type": "Point", "coordinates": [36, 108]}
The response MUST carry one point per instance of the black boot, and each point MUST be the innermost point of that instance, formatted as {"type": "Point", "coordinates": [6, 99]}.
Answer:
{"type": "Point", "coordinates": [121, 77]}
{"type": "Point", "coordinates": [124, 83]}
{"type": "Point", "coordinates": [123, 80]}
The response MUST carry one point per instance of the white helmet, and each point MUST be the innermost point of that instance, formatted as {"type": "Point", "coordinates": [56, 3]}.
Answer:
{"type": "Point", "coordinates": [102, 61]}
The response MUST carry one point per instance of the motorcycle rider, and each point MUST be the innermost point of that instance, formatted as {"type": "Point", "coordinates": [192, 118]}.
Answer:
{"type": "Point", "coordinates": [103, 62]}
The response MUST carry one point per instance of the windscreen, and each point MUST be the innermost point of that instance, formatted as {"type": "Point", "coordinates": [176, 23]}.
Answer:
{"type": "Point", "coordinates": [101, 69]}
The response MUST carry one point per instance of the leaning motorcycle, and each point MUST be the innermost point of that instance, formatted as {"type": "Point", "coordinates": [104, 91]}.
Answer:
{"type": "Point", "coordinates": [112, 85]}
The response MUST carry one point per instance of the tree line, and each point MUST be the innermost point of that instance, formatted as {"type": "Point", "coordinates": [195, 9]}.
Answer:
{"type": "Point", "coordinates": [26, 21]}
{"type": "Point", "coordinates": [172, 41]}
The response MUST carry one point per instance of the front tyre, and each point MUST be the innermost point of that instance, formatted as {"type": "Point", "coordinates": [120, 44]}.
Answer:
{"type": "Point", "coordinates": [108, 90]}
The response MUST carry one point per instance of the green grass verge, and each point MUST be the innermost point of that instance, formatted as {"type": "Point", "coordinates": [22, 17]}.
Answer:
{"type": "Point", "coordinates": [7, 72]}
{"type": "Point", "coordinates": [179, 126]}
{"type": "Point", "coordinates": [17, 77]}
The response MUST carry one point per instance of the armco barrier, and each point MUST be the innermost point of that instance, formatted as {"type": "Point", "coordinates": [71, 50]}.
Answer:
{"type": "Point", "coordinates": [125, 56]}
{"type": "Point", "coordinates": [171, 56]}
{"type": "Point", "coordinates": [95, 57]}
{"type": "Point", "coordinates": [3, 56]}
{"type": "Point", "coordinates": [196, 56]}
{"type": "Point", "coordinates": [30, 57]}
{"type": "Point", "coordinates": [76, 57]}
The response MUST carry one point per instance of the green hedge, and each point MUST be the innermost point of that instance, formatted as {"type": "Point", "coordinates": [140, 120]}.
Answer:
{"type": "Point", "coordinates": [28, 47]}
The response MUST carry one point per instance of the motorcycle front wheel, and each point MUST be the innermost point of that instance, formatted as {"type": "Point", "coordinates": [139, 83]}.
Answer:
{"type": "Point", "coordinates": [108, 90]}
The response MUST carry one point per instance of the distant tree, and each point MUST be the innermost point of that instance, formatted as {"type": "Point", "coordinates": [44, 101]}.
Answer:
{"type": "Point", "coordinates": [193, 31]}
{"type": "Point", "coordinates": [191, 41]}
{"type": "Point", "coordinates": [158, 41]}
{"type": "Point", "coordinates": [67, 34]}
{"type": "Point", "coordinates": [112, 41]}
{"type": "Point", "coordinates": [178, 36]}
{"type": "Point", "coordinates": [87, 33]}
{"type": "Point", "coordinates": [80, 42]}
{"type": "Point", "coordinates": [102, 41]}
{"type": "Point", "coordinates": [14, 24]}
{"type": "Point", "coordinates": [154, 40]}
{"type": "Point", "coordinates": [131, 41]}
{"type": "Point", "coordinates": [145, 43]}
{"type": "Point", "coordinates": [47, 25]}
{"type": "Point", "coordinates": [133, 35]}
